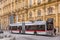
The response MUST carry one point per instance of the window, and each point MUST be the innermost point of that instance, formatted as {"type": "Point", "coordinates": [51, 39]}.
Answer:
{"type": "Point", "coordinates": [11, 19]}
{"type": "Point", "coordinates": [30, 14]}
{"type": "Point", "coordinates": [5, 0]}
{"type": "Point", "coordinates": [12, 4]}
{"type": "Point", "coordinates": [49, 27]}
{"type": "Point", "coordinates": [22, 16]}
{"type": "Point", "coordinates": [1, 1]}
{"type": "Point", "coordinates": [39, 12]}
{"type": "Point", "coordinates": [22, 4]}
{"type": "Point", "coordinates": [44, 8]}
{"type": "Point", "coordinates": [14, 28]}
{"type": "Point", "coordinates": [38, 1]}
{"type": "Point", "coordinates": [31, 27]}
{"type": "Point", "coordinates": [49, 0]}
{"type": "Point", "coordinates": [17, 1]}
{"type": "Point", "coordinates": [22, 0]}
{"type": "Point", "coordinates": [50, 23]}
{"type": "Point", "coordinates": [20, 28]}
{"type": "Point", "coordinates": [41, 27]}
{"type": "Point", "coordinates": [34, 2]}
{"type": "Point", "coordinates": [30, 3]}
{"type": "Point", "coordinates": [37, 27]}
{"type": "Point", "coordinates": [50, 10]}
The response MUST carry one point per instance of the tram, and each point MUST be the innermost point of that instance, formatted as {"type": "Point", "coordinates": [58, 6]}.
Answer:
{"type": "Point", "coordinates": [37, 27]}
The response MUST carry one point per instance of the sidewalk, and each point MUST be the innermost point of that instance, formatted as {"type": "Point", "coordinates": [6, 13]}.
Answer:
{"type": "Point", "coordinates": [58, 34]}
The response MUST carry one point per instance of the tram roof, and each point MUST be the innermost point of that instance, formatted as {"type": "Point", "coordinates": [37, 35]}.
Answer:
{"type": "Point", "coordinates": [36, 23]}
{"type": "Point", "coordinates": [29, 23]}
{"type": "Point", "coordinates": [16, 24]}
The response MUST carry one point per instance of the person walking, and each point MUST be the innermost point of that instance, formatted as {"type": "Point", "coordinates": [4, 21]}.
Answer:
{"type": "Point", "coordinates": [54, 31]}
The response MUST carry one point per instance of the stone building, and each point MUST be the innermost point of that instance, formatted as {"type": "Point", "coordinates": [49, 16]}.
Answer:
{"type": "Point", "coordinates": [13, 11]}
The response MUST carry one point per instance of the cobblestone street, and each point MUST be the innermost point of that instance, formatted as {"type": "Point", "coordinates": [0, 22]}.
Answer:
{"type": "Point", "coordinates": [31, 37]}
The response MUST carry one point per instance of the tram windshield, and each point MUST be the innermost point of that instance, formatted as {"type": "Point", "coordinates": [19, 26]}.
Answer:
{"type": "Point", "coordinates": [50, 24]}
{"type": "Point", "coordinates": [49, 27]}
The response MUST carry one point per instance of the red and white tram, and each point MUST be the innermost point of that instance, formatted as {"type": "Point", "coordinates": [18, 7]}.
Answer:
{"type": "Point", "coordinates": [37, 27]}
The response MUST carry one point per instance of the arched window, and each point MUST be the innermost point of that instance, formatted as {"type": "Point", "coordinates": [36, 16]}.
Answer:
{"type": "Point", "coordinates": [39, 13]}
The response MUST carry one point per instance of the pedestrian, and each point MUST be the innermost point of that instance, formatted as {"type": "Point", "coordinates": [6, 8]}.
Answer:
{"type": "Point", "coordinates": [54, 31]}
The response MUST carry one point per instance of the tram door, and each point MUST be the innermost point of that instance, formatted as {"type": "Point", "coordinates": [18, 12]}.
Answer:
{"type": "Point", "coordinates": [50, 24]}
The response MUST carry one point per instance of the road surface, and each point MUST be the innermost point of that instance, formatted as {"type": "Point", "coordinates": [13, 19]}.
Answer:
{"type": "Point", "coordinates": [31, 37]}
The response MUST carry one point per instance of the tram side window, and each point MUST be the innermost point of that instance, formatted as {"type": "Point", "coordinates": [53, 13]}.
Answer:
{"type": "Point", "coordinates": [14, 28]}
{"type": "Point", "coordinates": [30, 28]}
{"type": "Point", "coordinates": [41, 27]}
{"type": "Point", "coordinates": [19, 27]}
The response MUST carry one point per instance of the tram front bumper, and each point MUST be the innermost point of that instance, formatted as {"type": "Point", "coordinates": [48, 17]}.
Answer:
{"type": "Point", "coordinates": [49, 33]}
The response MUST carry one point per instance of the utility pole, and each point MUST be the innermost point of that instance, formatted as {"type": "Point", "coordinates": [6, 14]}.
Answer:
{"type": "Point", "coordinates": [23, 20]}
{"type": "Point", "coordinates": [0, 23]}
{"type": "Point", "coordinates": [23, 24]}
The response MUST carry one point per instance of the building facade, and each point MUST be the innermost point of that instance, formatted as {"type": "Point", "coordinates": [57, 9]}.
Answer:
{"type": "Point", "coordinates": [13, 11]}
